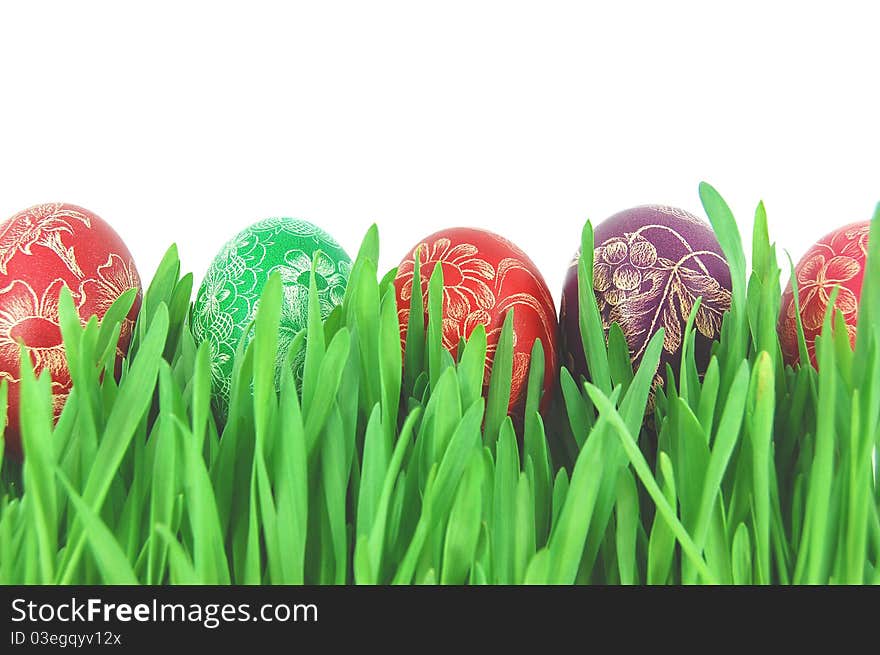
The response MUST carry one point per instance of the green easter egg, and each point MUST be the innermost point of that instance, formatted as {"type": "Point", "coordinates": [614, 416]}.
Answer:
{"type": "Point", "coordinates": [227, 300]}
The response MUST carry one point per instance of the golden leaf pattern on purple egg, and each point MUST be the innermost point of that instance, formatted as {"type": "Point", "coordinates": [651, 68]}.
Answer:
{"type": "Point", "coordinates": [642, 292]}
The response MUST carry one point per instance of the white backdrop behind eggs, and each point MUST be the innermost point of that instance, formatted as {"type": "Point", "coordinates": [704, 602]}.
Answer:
{"type": "Point", "coordinates": [184, 122]}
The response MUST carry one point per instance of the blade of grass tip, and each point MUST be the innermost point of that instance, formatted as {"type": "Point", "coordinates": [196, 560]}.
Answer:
{"type": "Point", "coordinates": [178, 309]}
{"type": "Point", "coordinates": [201, 393]}
{"type": "Point", "coordinates": [472, 365]}
{"type": "Point", "coordinates": [868, 328]}
{"type": "Point", "coordinates": [606, 408]}
{"type": "Point", "coordinates": [442, 416]}
{"type": "Point", "coordinates": [635, 402]}
{"type": "Point", "coordinates": [500, 381]}
{"type": "Point", "coordinates": [265, 345]}
{"type": "Point", "coordinates": [315, 346]}
{"type": "Point", "coordinates": [724, 224]}
{"type": "Point", "coordinates": [181, 298]}
{"type": "Point", "coordinates": [762, 397]}
{"type": "Point", "coordinates": [575, 406]}
{"type": "Point", "coordinates": [71, 331]}
{"type": "Point", "coordinates": [536, 449]}
{"type": "Point", "coordinates": [135, 397]}
{"type": "Point", "coordinates": [843, 349]}
{"type": "Point", "coordinates": [803, 354]}
{"type": "Point", "coordinates": [390, 363]}
{"type": "Point", "coordinates": [709, 397]}
{"type": "Point", "coordinates": [107, 356]}
{"type": "Point", "coordinates": [687, 345]}
{"type": "Point", "coordinates": [406, 570]}
{"type": "Point", "coordinates": [619, 361]}
{"type": "Point", "coordinates": [560, 493]}
{"type": "Point", "coordinates": [160, 291]}
{"type": "Point", "coordinates": [115, 316]}
{"type": "Point", "coordinates": [478, 575]}
{"type": "Point", "coordinates": [388, 280]}
{"type": "Point", "coordinates": [414, 358]}
{"type": "Point", "coordinates": [330, 375]}
{"type": "Point", "coordinates": [113, 565]}
{"type": "Point", "coordinates": [465, 440]}
{"type": "Point", "coordinates": [726, 230]}
{"type": "Point", "coordinates": [362, 316]}
{"type": "Point", "coordinates": [761, 253]}
{"type": "Point", "coordinates": [504, 505]}
{"type": "Point", "coordinates": [535, 384]}
{"type": "Point", "coordinates": [375, 463]}
{"type": "Point", "coordinates": [434, 343]}
{"type": "Point", "coordinates": [368, 251]}
{"type": "Point", "coordinates": [35, 407]}
{"type": "Point", "coordinates": [763, 287]}
{"type": "Point", "coordinates": [589, 320]}
{"type": "Point", "coordinates": [538, 571]}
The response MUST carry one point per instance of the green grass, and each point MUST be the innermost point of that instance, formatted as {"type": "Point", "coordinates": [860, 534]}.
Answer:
{"type": "Point", "coordinates": [388, 469]}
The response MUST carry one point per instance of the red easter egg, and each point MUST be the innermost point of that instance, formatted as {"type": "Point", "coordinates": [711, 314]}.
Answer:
{"type": "Point", "coordinates": [837, 259]}
{"type": "Point", "coordinates": [484, 276]}
{"type": "Point", "coordinates": [41, 250]}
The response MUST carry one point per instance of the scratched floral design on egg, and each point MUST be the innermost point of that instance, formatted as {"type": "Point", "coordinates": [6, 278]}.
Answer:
{"type": "Point", "coordinates": [837, 260]}
{"type": "Point", "coordinates": [43, 249]}
{"type": "Point", "coordinates": [484, 276]}
{"type": "Point", "coordinates": [228, 299]}
{"type": "Point", "coordinates": [650, 265]}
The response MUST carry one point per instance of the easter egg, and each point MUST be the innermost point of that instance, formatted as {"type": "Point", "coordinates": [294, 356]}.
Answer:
{"type": "Point", "coordinates": [836, 260]}
{"type": "Point", "coordinates": [43, 249]}
{"type": "Point", "coordinates": [227, 300]}
{"type": "Point", "coordinates": [650, 264]}
{"type": "Point", "coordinates": [484, 276]}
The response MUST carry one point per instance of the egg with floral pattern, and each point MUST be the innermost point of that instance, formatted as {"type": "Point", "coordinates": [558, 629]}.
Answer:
{"type": "Point", "coordinates": [836, 260]}
{"type": "Point", "coordinates": [43, 249]}
{"type": "Point", "coordinates": [650, 264]}
{"type": "Point", "coordinates": [484, 276]}
{"type": "Point", "coordinates": [226, 302]}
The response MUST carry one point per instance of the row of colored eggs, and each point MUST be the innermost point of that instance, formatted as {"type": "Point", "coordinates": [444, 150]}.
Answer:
{"type": "Point", "coordinates": [650, 264]}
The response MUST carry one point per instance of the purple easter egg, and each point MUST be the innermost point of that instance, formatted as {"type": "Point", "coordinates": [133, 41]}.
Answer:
{"type": "Point", "coordinates": [650, 264]}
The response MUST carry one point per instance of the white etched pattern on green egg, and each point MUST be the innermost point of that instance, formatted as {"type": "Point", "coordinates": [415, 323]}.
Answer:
{"type": "Point", "coordinates": [228, 297]}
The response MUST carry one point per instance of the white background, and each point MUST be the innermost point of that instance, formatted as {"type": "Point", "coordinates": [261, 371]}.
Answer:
{"type": "Point", "coordinates": [184, 122]}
